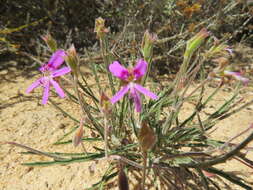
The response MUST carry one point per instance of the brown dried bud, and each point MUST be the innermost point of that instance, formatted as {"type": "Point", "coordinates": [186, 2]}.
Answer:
{"type": "Point", "coordinates": [122, 180]}
{"type": "Point", "coordinates": [147, 137]}
{"type": "Point", "coordinates": [79, 135]}
{"type": "Point", "coordinates": [222, 61]}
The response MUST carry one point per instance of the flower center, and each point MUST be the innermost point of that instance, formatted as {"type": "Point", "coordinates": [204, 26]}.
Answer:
{"type": "Point", "coordinates": [131, 76]}
{"type": "Point", "coordinates": [46, 74]}
{"type": "Point", "coordinates": [46, 77]}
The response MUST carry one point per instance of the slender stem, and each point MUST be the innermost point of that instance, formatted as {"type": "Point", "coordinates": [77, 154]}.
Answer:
{"type": "Point", "coordinates": [77, 92]}
{"type": "Point", "coordinates": [149, 61]}
{"type": "Point", "coordinates": [243, 162]}
{"type": "Point", "coordinates": [35, 151]}
{"type": "Point", "coordinates": [84, 150]}
{"type": "Point", "coordinates": [198, 87]}
{"type": "Point", "coordinates": [106, 136]}
{"type": "Point", "coordinates": [123, 159]}
{"type": "Point", "coordinates": [238, 135]}
{"type": "Point", "coordinates": [103, 45]}
{"type": "Point", "coordinates": [83, 104]}
{"type": "Point", "coordinates": [144, 169]}
{"type": "Point", "coordinates": [233, 179]}
{"type": "Point", "coordinates": [222, 158]}
{"type": "Point", "coordinates": [236, 110]}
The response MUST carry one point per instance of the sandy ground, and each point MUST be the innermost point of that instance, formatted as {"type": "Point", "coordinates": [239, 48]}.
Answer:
{"type": "Point", "coordinates": [24, 120]}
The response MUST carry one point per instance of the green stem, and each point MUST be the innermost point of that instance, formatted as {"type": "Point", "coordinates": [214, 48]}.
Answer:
{"type": "Point", "coordinates": [103, 45]}
{"type": "Point", "coordinates": [77, 92]}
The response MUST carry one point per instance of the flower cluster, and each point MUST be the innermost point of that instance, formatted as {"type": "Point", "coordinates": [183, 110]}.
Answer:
{"type": "Point", "coordinates": [130, 77]}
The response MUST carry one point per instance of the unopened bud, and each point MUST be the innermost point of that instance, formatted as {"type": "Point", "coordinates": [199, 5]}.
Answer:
{"type": "Point", "coordinates": [100, 28]}
{"type": "Point", "coordinates": [147, 44]}
{"type": "Point", "coordinates": [147, 137]}
{"type": "Point", "coordinates": [194, 43]}
{"type": "Point", "coordinates": [222, 61]}
{"type": "Point", "coordinates": [208, 174]}
{"type": "Point", "coordinates": [50, 41]}
{"type": "Point", "coordinates": [72, 59]}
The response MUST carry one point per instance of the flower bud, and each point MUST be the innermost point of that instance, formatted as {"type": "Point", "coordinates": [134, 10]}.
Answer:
{"type": "Point", "coordinates": [147, 137]}
{"type": "Point", "coordinates": [72, 59]}
{"type": "Point", "coordinates": [78, 136]}
{"type": "Point", "coordinates": [194, 43]}
{"type": "Point", "coordinates": [50, 41]}
{"type": "Point", "coordinates": [208, 174]}
{"type": "Point", "coordinates": [100, 28]}
{"type": "Point", "coordinates": [223, 63]}
{"type": "Point", "coordinates": [147, 44]}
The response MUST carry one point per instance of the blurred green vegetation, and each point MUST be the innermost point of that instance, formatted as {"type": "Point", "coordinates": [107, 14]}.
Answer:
{"type": "Point", "coordinates": [23, 22]}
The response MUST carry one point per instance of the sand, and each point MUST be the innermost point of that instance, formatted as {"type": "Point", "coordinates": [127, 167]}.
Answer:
{"type": "Point", "coordinates": [24, 120]}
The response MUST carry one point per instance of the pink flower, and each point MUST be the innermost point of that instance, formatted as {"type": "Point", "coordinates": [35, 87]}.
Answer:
{"type": "Point", "coordinates": [237, 76]}
{"type": "Point", "coordinates": [49, 72]}
{"type": "Point", "coordinates": [131, 77]}
{"type": "Point", "coordinates": [229, 50]}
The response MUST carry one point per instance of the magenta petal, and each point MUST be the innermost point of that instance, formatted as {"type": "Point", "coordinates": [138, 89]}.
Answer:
{"type": "Point", "coordinates": [57, 59]}
{"type": "Point", "coordinates": [136, 98]}
{"type": "Point", "coordinates": [145, 91]}
{"type": "Point", "coordinates": [118, 70]}
{"type": "Point", "coordinates": [230, 51]}
{"type": "Point", "coordinates": [61, 72]}
{"type": "Point", "coordinates": [119, 94]}
{"type": "Point", "coordinates": [46, 92]}
{"type": "Point", "coordinates": [44, 68]}
{"type": "Point", "coordinates": [140, 68]}
{"type": "Point", "coordinates": [237, 76]}
{"type": "Point", "coordinates": [58, 89]}
{"type": "Point", "coordinates": [33, 85]}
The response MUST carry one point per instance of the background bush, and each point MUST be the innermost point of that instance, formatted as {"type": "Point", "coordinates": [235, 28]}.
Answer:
{"type": "Point", "coordinates": [22, 22]}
